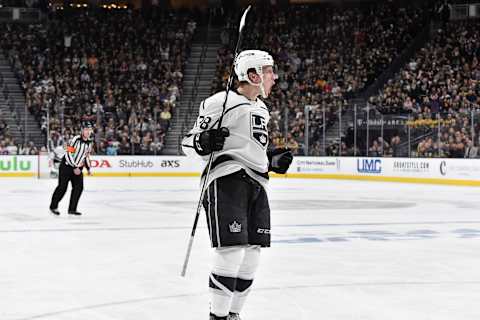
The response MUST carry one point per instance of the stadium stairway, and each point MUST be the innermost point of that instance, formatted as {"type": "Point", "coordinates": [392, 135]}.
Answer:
{"type": "Point", "coordinates": [13, 111]}
{"type": "Point", "coordinates": [197, 80]}
{"type": "Point", "coordinates": [337, 131]}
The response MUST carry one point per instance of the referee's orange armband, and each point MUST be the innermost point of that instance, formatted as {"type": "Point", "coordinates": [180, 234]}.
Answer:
{"type": "Point", "coordinates": [70, 149]}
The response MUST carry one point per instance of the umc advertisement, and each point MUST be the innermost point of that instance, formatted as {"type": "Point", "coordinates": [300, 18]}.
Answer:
{"type": "Point", "coordinates": [410, 170]}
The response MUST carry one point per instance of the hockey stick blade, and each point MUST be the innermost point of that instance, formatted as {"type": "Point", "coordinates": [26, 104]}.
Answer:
{"type": "Point", "coordinates": [242, 20]}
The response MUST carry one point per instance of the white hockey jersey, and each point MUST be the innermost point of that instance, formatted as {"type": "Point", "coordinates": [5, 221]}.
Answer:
{"type": "Point", "coordinates": [246, 147]}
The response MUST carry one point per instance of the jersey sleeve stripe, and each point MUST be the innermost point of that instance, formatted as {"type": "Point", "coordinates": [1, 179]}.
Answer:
{"type": "Point", "coordinates": [230, 109]}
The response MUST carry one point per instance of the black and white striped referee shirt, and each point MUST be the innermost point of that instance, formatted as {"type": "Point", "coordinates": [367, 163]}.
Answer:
{"type": "Point", "coordinates": [77, 151]}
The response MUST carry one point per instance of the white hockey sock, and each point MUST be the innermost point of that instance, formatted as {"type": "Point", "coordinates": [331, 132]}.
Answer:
{"type": "Point", "coordinates": [245, 278]}
{"type": "Point", "coordinates": [226, 264]}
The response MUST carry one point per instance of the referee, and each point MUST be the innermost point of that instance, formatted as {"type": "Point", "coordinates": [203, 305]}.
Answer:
{"type": "Point", "coordinates": [71, 167]}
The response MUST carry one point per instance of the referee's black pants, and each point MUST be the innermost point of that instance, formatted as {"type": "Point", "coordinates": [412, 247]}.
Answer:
{"type": "Point", "coordinates": [66, 175]}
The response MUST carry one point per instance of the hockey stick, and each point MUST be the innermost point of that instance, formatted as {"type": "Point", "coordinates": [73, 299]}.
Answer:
{"type": "Point", "coordinates": [210, 160]}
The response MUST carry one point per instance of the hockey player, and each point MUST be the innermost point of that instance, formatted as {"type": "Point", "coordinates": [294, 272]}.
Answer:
{"type": "Point", "coordinates": [56, 157]}
{"type": "Point", "coordinates": [235, 201]}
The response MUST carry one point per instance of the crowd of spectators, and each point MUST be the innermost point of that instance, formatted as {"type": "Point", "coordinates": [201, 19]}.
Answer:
{"type": "Point", "coordinates": [325, 55]}
{"type": "Point", "coordinates": [122, 70]}
{"type": "Point", "coordinates": [440, 89]}
{"type": "Point", "coordinates": [8, 145]}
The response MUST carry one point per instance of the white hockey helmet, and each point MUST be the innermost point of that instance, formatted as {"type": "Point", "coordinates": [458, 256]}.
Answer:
{"type": "Point", "coordinates": [252, 59]}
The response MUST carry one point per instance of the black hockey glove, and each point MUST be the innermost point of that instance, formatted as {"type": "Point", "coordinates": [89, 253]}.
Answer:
{"type": "Point", "coordinates": [279, 160]}
{"type": "Point", "coordinates": [211, 140]}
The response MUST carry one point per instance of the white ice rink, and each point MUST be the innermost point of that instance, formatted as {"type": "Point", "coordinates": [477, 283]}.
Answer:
{"type": "Point", "coordinates": [341, 250]}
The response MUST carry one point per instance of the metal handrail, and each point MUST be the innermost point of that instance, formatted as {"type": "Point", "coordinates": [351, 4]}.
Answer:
{"type": "Point", "coordinates": [186, 119]}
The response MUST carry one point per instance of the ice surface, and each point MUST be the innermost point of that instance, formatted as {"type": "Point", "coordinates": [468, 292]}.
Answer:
{"type": "Point", "coordinates": [341, 250]}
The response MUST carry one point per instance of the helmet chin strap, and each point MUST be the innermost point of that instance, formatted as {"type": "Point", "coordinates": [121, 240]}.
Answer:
{"type": "Point", "coordinates": [262, 88]}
